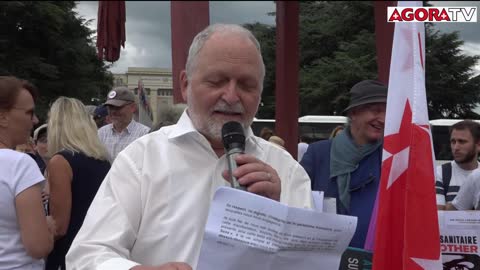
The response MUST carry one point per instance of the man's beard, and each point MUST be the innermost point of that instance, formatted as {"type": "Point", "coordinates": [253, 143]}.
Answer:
{"type": "Point", "coordinates": [208, 125]}
{"type": "Point", "coordinates": [469, 157]}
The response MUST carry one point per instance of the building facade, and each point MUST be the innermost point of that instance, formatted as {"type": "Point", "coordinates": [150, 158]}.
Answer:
{"type": "Point", "coordinates": [157, 83]}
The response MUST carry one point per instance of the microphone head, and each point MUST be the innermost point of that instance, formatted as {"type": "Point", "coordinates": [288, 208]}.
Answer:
{"type": "Point", "coordinates": [233, 136]}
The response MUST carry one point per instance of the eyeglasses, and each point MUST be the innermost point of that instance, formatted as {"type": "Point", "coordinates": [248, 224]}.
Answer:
{"type": "Point", "coordinates": [31, 112]}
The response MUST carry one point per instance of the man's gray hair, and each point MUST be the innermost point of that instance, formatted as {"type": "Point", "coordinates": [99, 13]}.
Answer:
{"type": "Point", "coordinates": [202, 37]}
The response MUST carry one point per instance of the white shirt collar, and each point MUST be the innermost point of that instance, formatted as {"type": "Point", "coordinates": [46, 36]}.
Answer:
{"type": "Point", "coordinates": [183, 126]}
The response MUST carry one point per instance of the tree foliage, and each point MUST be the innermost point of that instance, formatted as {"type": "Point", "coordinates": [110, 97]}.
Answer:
{"type": "Point", "coordinates": [46, 43]}
{"type": "Point", "coordinates": [337, 50]}
{"type": "Point", "coordinates": [452, 92]}
{"type": "Point", "coordinates": [264, 34]}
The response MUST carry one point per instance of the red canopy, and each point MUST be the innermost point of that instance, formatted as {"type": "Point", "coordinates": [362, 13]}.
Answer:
{"type": "Point", "coordinates": [110, 29]}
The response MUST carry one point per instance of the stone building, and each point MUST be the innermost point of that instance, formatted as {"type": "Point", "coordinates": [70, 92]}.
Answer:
{"type": "Point", "coordinates": [157, 83]}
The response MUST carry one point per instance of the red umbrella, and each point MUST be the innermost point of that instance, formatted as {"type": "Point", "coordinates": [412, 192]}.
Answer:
{"type": "Point", "coordinates": [110, 29]}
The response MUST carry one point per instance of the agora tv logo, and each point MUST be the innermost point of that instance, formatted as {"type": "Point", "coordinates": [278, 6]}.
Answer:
{"type": "Point", "coordinates": [432, 14]}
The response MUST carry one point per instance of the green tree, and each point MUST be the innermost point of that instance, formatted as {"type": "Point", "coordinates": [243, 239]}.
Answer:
{"type": "Point", "coordinates": [264, 33]}
{"type": "Point", "coordinates": [452, 91]}
{"type": "Point", "coordinates": [337, 49]}
{"type": "Point", "coordinates": [46, 43]}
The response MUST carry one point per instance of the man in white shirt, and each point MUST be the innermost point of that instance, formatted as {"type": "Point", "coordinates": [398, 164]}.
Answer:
{"type": "Point", "coordinates": [123, 130]}
{"type": "Point", "coordinates": [151, 210]}
{"type": "Point", "coordinates": [465, 145]}
{"type": "Point", "coordinates": [468, 197]}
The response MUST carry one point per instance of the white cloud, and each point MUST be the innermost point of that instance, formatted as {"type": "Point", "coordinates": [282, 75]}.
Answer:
{"type": "Point", "coordinates": [472, 49]}
{"type": "Point", "coordinates": [241, 12]}
{"type": "Point", "coordinates": [468, 32]}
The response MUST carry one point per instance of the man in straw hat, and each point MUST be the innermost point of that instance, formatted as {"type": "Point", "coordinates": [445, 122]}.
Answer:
{"type": "Point", "coordinates": [348, 166]}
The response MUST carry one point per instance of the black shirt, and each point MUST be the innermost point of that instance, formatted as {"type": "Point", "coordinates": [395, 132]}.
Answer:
{"type": "Point", "coordinates": [88, 175]}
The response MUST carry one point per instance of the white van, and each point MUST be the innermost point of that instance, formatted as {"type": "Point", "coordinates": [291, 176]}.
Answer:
{"type": "Point", "coordinates": [311, 127]}
{"type": "Point", "coordinates": [319, 127]}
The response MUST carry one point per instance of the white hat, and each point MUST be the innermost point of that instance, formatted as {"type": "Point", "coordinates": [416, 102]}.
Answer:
{"type": "Point", "coordinates": [37, 131]}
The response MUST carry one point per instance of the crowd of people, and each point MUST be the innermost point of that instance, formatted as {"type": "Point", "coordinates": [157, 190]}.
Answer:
{"type": "Point", "coordinates": [98, 190]}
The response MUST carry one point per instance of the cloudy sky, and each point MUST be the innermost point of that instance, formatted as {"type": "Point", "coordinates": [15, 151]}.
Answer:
{"type": "Point", "coordinates": [149, 37]}
{"type": "Point", "coordinates": [148, 27]}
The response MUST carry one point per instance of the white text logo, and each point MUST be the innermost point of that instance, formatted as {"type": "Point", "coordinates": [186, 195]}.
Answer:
{"type": "Point", "coordinates": [432, 14]}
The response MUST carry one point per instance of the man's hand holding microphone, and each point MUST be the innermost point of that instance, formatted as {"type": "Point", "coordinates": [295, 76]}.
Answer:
{"type": "Point", "coordinates": [246, 172]}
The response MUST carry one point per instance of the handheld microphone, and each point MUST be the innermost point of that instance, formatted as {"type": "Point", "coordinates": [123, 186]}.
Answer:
{"type": "Point", "coordinates": [234, 143]}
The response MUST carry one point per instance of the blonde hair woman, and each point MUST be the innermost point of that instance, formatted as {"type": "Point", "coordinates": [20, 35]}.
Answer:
{"type": "Point", "coordinates": [76, 169]}
{"type": "Point", "coordinates": [25, 235]}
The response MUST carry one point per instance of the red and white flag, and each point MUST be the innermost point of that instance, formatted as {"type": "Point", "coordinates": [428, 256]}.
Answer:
{"type": "Point", "coordinates": [407, 232]}
{"type": "Point", "coordinates": [145, 111]}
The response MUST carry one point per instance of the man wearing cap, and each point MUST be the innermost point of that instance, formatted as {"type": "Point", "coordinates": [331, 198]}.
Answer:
{"type": "Point", "coordinates": [348, 166]}
{"type": "Point", "coordinates": [123, 129]}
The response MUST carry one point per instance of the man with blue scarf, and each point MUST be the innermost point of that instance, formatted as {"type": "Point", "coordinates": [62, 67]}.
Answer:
{"type": "Point", "coordinates": [348, 166]}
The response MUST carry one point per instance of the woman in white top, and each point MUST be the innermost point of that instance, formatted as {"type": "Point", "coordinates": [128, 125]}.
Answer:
{"type": "Point", "coordinates": [26, 235]}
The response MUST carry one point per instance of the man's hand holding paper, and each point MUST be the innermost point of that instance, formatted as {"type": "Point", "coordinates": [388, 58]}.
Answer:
{"type": "Point", "coordinates": [250, 232]}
